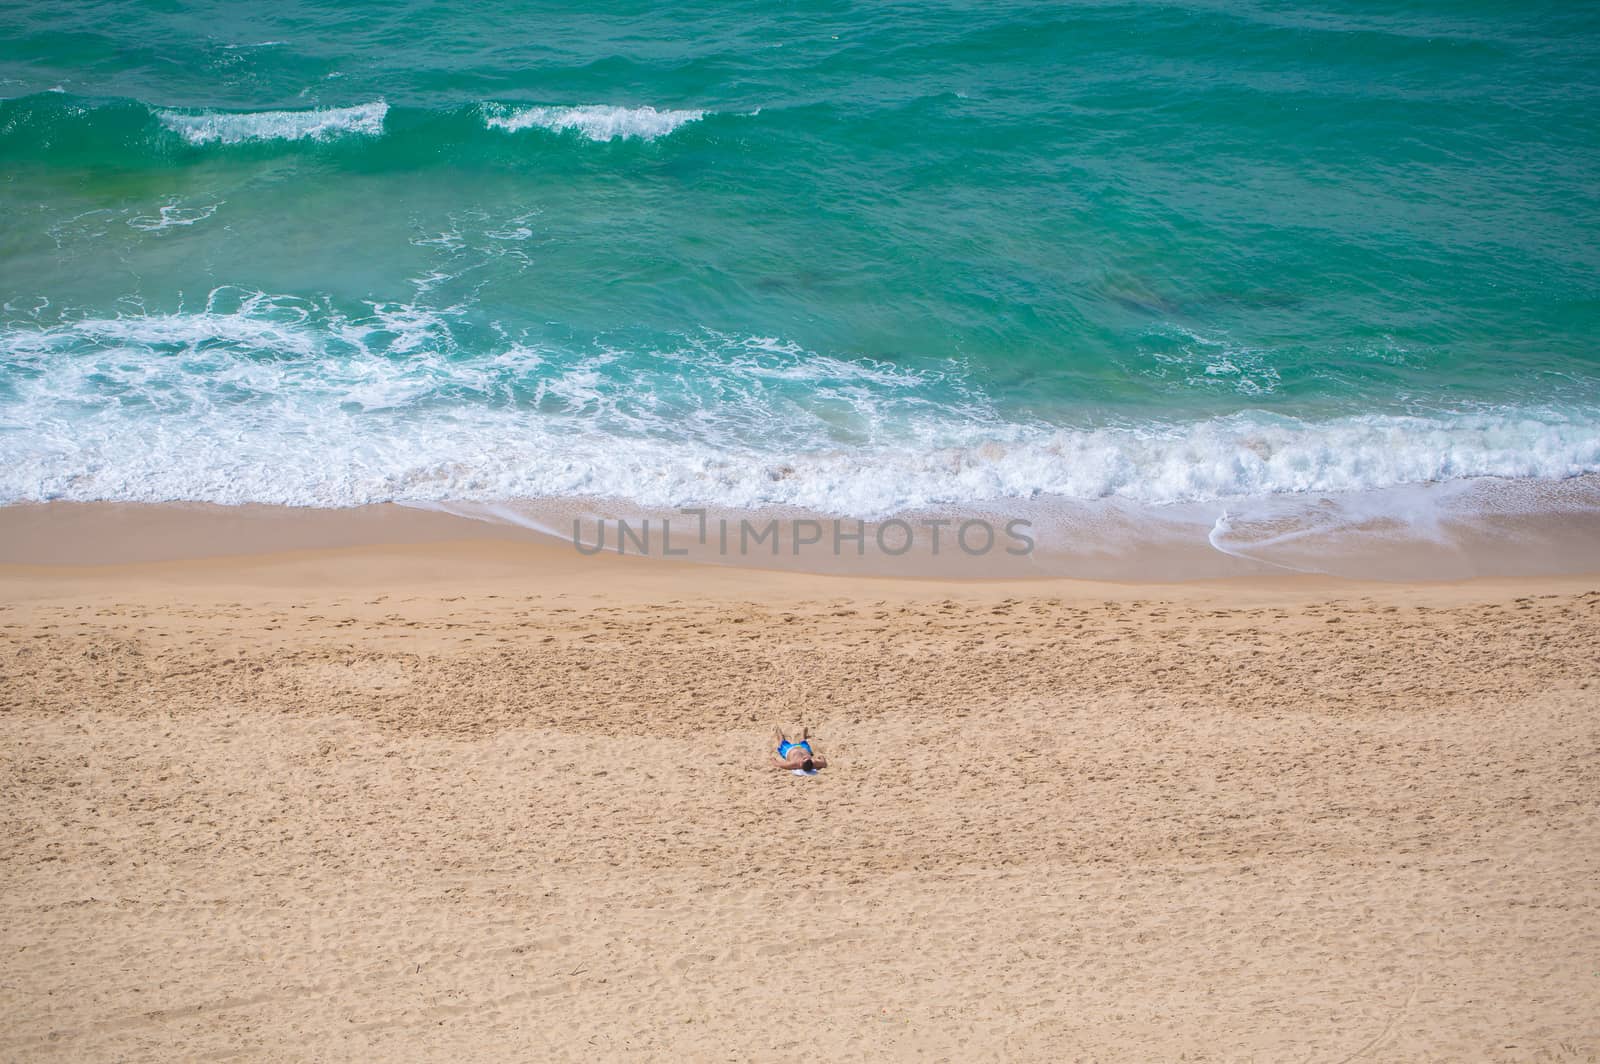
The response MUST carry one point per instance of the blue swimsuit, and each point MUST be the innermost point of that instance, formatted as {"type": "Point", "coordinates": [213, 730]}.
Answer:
{"type": "Point", "coordinates": [785, 746]}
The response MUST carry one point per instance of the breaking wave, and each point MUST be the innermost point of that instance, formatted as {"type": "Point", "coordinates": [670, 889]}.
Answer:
{"type": "Point", "coordinates": [224, 127]}
{"type": "Point", "coordinates": [256, 398]}
{"type": "Point", "coordinates": [598, 123]}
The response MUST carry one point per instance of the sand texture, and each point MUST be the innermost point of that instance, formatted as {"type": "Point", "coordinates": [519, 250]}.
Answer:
{"type": "Point", "coordinates": [438, 803]}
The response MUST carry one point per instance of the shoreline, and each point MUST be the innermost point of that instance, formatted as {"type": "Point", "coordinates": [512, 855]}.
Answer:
{"type": "Point", "coordinates": [1446, 532]}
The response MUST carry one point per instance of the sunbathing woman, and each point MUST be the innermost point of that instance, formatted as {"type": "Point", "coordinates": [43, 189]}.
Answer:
{"type": "Point", "coordinates": [798, 755]}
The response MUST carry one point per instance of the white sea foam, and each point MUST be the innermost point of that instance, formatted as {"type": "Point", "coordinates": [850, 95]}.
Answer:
{"type": "Point", "coordinates": [598, 122]}
{"type": "Point", "coordinates": [225, 127]}
{"type": "Point", "coordinates": [173, 215]}
{"type": "Point", "coordinates": [262, 399]}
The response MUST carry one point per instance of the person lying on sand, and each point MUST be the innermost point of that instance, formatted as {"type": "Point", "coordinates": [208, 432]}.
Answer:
{"type": "Point", "coordinates": [798, 755]}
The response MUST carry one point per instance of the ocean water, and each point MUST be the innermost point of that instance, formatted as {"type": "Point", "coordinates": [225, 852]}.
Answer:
{"type": "Point", "coordinates": [856, 258]}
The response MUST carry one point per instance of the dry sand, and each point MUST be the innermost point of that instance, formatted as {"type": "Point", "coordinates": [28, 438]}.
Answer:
{"type": "Point", "coordinates": [486, 801]}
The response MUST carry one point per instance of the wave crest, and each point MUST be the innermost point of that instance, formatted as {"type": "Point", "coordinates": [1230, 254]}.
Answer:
{"type": "Point", "coordinates": [230, 127]}
{"type": "Point", "coordinates": [596, 122]}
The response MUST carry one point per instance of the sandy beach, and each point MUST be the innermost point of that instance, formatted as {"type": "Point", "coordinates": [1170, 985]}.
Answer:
{"type": "Point", "coordinates": [1151, 450]}
{"type": "Point", "coordinates": [489, 800]}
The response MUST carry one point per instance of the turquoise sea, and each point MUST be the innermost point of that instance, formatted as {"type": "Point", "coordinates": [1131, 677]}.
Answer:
{"type": "Point", "coordinates": [853, 257]}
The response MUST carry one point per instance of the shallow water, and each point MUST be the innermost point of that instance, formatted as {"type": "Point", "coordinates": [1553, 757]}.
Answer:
{"type": "Point", "coordinates": [853, 259]}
